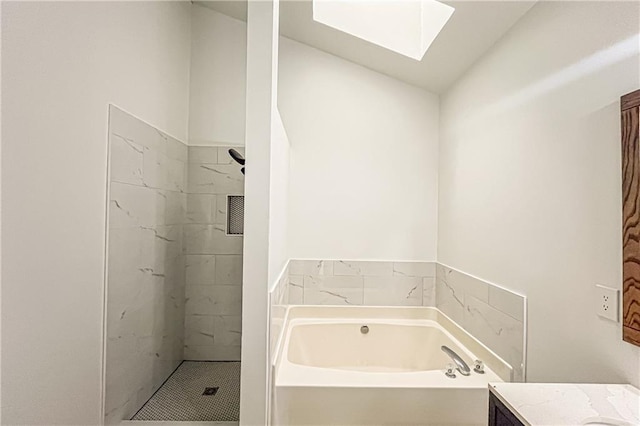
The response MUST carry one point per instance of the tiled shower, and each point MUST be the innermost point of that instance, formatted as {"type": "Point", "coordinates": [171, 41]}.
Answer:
{"type": "Point", "coordinates": [174, 274]}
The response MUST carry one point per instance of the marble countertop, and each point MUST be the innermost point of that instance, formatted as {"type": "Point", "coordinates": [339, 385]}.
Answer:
{"type": "Point", "coordinates": [537, 404]}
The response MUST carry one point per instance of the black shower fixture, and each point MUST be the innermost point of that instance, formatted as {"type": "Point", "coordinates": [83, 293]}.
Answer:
{"type": "Point", "coordinates": [238, 158]}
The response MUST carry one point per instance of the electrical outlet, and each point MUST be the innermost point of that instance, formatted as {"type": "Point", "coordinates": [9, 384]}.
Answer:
{"type": "Point", "coordinates": [607, 302]}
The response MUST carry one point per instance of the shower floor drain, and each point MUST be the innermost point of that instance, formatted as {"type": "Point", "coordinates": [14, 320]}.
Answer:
{"type": "Point", "coordinates": [210, 391]}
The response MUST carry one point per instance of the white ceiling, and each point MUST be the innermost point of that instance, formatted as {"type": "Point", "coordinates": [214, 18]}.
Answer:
{"type": "Point", "coordinates": [474, 27]}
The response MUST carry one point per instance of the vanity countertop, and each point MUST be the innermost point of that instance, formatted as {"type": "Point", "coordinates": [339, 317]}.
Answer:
{"type": "Point", "coordinates": [570, 404]}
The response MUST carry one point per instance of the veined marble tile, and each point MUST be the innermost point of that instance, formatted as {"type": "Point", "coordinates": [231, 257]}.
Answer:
{"type": "Point", "coordinates": [333, 290]}
{"type": "Point", "coordinates": [199, 330]}
{"type": "Point", "coordinates": [210, 239]}
{"type": "Point", "coordinates": [223, 154]}
{"type": "Point", "coordinates": [226, 353]}
{"type": "Point", "coordinates": [429, 291]}
{"type": "Point", "coordinates": [200, 269]}
{"type": "Point", "coordinates": [176, 150]}
{"type": "Point", "coordinates": [132, 205]}
{"type": "Point", "coordinates": [123, 383]}
{"type": "Point", "coordinates": [171, 207]}
{"type": "Point", "coordinates": [201, 208]}
{"type": "Point", "coordinates": [138, 131]}
{"type": "Point", "coordinates": [203, 154]}
{"type": "Point", "coordinates": [363, 268]}
{"type": "Point", "coordinates": [462, 283]}
{"type": "Point", "coordinates": [311, 267]}
{"type": "Point", "coordinates": [162, 172]}
{"type": "Point", "coordinates": [449, 299]}
{"type": "Point", "coordinates": [414, 269]}
{"type": "Point", "coordinates": [126, 160]}
{"type": "Point", "coordinates": [295, 289]}
{"type": "Point", "coordinates": [220, 216]}
{"type": "Point", "coordinates": [227, 330]}
{"type": "Point", "coordinates": [162, 246]}
{"type": "Point", "coordinates": [229, 269]}
{"type": "Point", "coordinates": [174, 277]}
{"type": "Point", "coordinates": [227, 300]}
{"type": "Point", "coordinates": [124, 266]}
{"type": "Point", "coordinates": [132, 319]}
{"type": "Point", "coordinates": [215, 179]}
{"type": "Point", "coordinates": [199, 353]}
{"type": "Point", "coordinates": [208, 184]}
{"type": "Point", "coordinates": [499, 331]}
{"type": "Point", "coordinates": [508, 302]}
{"type": "Point", "coordinates": [199, 300]}
{"type": "Point", "coordinates": [141, 349]}
{"type": "Point", "coordinates": [392, 291]}
{"type": "Point", "coordinates": [176, 174]}
{"type": "Point", "coordinates": [148, 323]}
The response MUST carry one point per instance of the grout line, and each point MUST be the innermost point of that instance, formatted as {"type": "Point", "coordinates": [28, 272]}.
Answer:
{"type": "Point", "coordinates": [157, 390]}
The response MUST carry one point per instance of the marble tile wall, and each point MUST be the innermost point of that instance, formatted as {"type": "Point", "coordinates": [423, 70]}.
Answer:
{"type": "Point", "coordinates": [495, 316]}
{"type": "Point", "coordinates": [372, 283]}
{"type": "Point", "coordinates": [145, 266]}
{"type": "Point", "coordinates": [213, 318]}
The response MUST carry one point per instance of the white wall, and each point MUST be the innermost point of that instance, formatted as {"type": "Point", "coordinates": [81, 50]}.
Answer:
{"type": "Point", "coordinates": [262, 75]}
{"type": "Point", "coordinates": [218, 79]}
{"type": "Point", "coordinates": [279, 202]}
{"type": "Point", "coordinates": [0, 221]}
{"type": "Point", "coordinates": [364, 160]}
{"type": "Point", "coordinates": [63, 63]}
{"type": "Point", "coordinates": [363, 156]}
{"type": "Point", "coordinates": [530, 186]}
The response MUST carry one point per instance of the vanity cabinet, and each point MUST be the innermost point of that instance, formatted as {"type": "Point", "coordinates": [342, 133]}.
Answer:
{"type": "Point", "coordinates": [499, 414]}
{"type": "Point", "coordinates": [630, 133]}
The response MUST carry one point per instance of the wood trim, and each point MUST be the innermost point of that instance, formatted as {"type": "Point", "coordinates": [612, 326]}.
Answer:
{"type": "Point", "coordinates": [630, 129]}
{"type": "Point", "coordinates": [631, 335]}
{"type": "Point", "coordinates": [630, 100]}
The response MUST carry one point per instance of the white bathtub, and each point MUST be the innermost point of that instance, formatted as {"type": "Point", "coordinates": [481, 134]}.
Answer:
{"type": "Point", "coordinates": [327, 372]}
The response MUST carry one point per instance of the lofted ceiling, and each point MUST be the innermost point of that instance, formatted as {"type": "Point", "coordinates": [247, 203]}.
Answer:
{"type": "Point", "coordinates": [474, 27]}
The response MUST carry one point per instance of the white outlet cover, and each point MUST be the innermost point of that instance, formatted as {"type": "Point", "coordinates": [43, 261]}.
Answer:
{"type": "Point", "coordinates": [607, 302]}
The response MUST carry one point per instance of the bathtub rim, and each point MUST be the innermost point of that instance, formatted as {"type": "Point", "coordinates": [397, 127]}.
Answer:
{"type": "Point", "coordinates": [493, 361]}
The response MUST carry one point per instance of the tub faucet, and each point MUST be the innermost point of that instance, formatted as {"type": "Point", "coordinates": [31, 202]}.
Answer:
{"type": "Point", "coordinates": [461, 366]}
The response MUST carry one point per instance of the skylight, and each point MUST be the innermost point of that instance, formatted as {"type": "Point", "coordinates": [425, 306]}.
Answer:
{"type": "Point", "coordinates": [407, 27]}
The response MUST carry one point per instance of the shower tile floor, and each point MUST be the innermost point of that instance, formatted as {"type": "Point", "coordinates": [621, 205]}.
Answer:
{"type": "Point", "coordinates": [197, 391]}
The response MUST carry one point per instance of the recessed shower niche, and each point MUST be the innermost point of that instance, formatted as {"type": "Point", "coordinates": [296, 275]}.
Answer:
{"type": "Point", "coordinates": [174, 278]}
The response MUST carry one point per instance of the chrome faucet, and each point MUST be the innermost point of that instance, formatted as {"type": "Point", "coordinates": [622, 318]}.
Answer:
{"type": "Point", "coordinates": [461, 366]}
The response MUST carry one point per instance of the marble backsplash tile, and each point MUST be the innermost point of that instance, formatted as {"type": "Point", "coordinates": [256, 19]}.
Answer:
{"type": "Point", "coordinates": [333, 290]}
{"type": "Point", "coordinates": [311, 267]}
{"type": "Point", "coordinates": [395, 291]}
{"type": "Point", "coordinates": [362, 268]}
{"type": "Point", "coordinates": [341, 282]}
{"type": "Point", "coordinates": [493, 315]}
{"type": "Point", "coordinates": [428, 291]}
